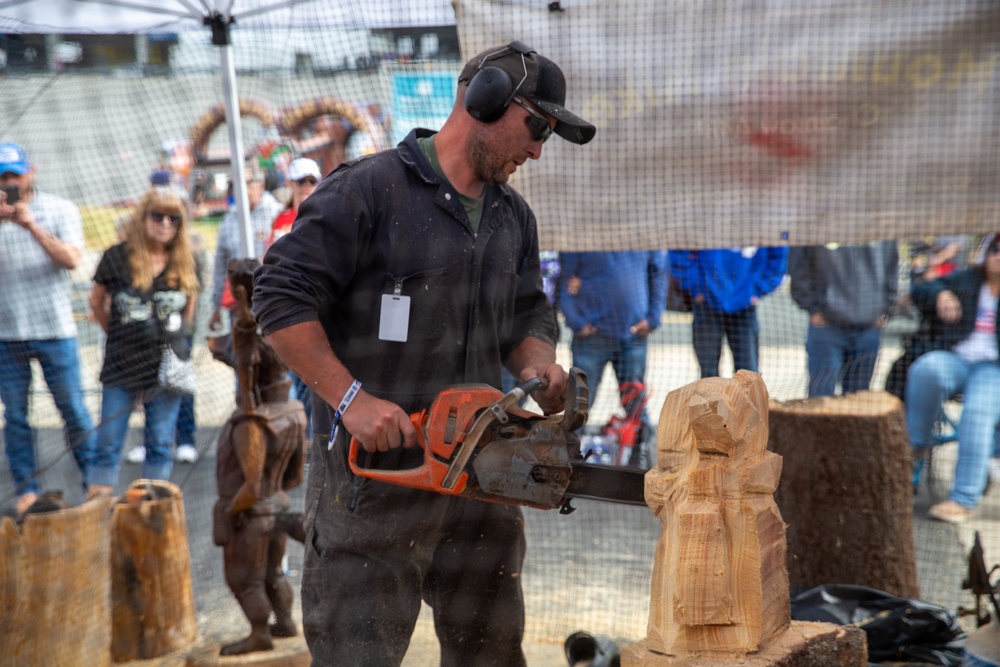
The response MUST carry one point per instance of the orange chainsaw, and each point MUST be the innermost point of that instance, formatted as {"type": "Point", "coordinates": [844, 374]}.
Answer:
{"type": "Point", "coordinates": [479, 444]}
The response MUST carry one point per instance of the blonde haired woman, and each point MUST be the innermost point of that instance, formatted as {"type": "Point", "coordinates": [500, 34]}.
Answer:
{"type": "Point", "coordinates": [145, 291]}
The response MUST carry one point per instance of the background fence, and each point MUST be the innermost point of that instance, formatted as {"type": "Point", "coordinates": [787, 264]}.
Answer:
{"type": "Point", "coordinates": [720, 125]}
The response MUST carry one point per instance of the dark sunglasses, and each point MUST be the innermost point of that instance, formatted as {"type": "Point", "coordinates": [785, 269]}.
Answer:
{"type": "Point", "coordinates": [158, 218]}
{"type": "Point", "coordinates": [537, 123]}
{"type": "Point", "coordinates": [993, 248]}
{"type": "Point", "coordinates": [307, 180]}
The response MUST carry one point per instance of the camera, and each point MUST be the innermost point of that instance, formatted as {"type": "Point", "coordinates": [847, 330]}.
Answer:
{"type": "Point", "coordinates": [13, 193]}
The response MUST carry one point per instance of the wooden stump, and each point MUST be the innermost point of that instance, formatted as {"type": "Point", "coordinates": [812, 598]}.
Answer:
{"type": "Point", "coordinates": [152, 598]}
{"type": "Point", "coordinates": [55, 585]}
{"type": "Point", "coordinates": [846, 491]}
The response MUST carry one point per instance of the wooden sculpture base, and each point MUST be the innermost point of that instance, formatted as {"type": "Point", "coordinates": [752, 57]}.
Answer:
{"type": "Point", "coordinates": [290, 652]}
{"type": "Point", "coordinates": [802, 645]}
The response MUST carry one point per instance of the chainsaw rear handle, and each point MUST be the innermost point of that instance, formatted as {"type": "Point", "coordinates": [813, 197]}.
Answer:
{"type": "Point", "coordinates": [427, 476]}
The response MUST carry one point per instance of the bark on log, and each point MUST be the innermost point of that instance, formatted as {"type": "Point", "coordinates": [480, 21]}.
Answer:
{"type": "Point", "coordinates": [846, 491]}
{"type": "Point", "coordinates": [56, 590]}
{"type": "Point", "coordinates": [152, 598]}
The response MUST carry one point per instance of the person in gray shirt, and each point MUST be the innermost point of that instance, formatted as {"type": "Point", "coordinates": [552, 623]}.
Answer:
{"type": "Point", "coordinates": [847, 290]}
{"type": "Point", "coordinates": [264, 208]}
{"type": "Point", "coordinates": [41, 241]}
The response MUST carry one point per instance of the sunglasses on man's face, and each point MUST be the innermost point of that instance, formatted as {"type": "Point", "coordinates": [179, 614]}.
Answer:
{"type": "Point", "coordinates": [537, 123]}
{"type": "Point", "coordinates": [162, 218]}
{"type": "Point", "coordinates": [308, 180]}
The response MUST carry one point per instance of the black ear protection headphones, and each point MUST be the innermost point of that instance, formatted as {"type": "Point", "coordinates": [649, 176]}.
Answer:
{"type": "Point", "coordinates": [491, 89]}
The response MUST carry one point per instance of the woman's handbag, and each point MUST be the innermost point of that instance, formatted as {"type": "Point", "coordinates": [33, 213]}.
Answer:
{"type": "Point", "coordinates": [176, 375]}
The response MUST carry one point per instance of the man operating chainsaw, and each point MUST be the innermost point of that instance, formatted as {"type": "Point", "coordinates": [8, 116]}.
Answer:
{"type": "Point", "coordinates": [406, 272]}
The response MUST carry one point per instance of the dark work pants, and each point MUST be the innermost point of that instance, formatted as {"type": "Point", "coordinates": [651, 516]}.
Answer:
{"type": "Point", "coordinates": [366, 570]}
{"type": "Point", "coordinates": [741, 330]}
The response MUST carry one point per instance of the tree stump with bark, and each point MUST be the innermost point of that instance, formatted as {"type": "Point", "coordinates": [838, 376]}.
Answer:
{"type": "Point", "coordinates": [55, 588]}
{"type": "Point", "coordinates": [846, 491]}
{"type": "Point", "coordinates": [152, 598]}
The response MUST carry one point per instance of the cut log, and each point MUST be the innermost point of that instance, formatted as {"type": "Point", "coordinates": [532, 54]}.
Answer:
{"type": "Point", "coordinates": [152, 598]}
{"type": "Point", "coordinates": [802, 645]}
{"type": "Point", "coordinates": [719, 579]}
{"type": "Point", "coordinates": [846, 491]}
{"type": "Point", "coordinates": [56, 590]}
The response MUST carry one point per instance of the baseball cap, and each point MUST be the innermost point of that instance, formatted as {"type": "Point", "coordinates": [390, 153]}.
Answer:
{"type": "Point", "coordinates": [543, 84]}
{"type": "Point", "coordinates": [301, 167]}
{"type": "Point", "coordinates": [159, 177]}
{"type": "Point", "coordinates": [13, 159]}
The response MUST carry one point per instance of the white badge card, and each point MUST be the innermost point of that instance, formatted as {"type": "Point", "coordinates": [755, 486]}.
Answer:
{"type": "Point", "coordinates": [394, 322]}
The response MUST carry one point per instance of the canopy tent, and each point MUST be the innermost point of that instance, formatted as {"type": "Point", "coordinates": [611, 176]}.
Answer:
{"type": "Point", "coordinates": [152, 16]}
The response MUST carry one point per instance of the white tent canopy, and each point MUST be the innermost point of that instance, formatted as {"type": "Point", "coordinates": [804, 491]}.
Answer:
{"type": "Point", "coordinates": [151, 16]}
{"type": "Point", "coordinates": [143, 16]}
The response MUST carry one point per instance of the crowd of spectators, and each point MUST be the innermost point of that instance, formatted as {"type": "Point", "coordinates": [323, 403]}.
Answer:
{"type": "Point", "coordinates": [146, 288]}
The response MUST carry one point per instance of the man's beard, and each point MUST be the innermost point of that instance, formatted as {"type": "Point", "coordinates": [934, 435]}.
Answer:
{"type": "Point", "coordinates": [482, 160]}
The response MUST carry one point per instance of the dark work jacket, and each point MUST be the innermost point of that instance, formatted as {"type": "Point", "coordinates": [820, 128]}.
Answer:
{"type": "Point", "coordinates": [386, 223]}
{"type": "Point", "coordinates": [966, 284]}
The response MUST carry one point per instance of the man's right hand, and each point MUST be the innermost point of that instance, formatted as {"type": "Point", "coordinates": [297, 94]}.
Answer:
{"type": "Point", "coordinates": [379, 425]}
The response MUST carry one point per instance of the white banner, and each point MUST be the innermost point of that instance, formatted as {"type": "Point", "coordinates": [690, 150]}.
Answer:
{"type": "Point", "coordinates": [762, 123]}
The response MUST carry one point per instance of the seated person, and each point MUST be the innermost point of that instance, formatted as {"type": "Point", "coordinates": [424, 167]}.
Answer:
{"type": "Point", "coordinates": [964, 335]}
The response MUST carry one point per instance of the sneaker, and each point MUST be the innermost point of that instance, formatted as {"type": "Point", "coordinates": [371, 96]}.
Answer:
{"type": "Point", "coordinates": [136, 455]}
{"type": "Point", "coordinates": [950, 512]}
{"type": "Point", "coordinates": [186, 453]}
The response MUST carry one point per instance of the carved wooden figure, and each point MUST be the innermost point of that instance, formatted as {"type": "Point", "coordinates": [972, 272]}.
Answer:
{"type": "Point", "coordinates": [261, 454]}
{"type": "Point", "coordinates": [720, 581]}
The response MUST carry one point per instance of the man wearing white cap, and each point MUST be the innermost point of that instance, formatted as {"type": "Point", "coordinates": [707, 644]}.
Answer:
{"type": "Point", "coordinates": [408, 271]}
{"type": "Point", "coordinates": [41, 241]}
{"type": "Point", "coordinates": [303, 176]}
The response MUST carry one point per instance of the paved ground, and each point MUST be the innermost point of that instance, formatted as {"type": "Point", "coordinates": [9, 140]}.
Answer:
{"type": "Point", "coordinates": [589, 570]}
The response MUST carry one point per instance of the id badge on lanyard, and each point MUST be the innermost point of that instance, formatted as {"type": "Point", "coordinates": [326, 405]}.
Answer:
{"type": "Point", "coordinates": [394, 318]}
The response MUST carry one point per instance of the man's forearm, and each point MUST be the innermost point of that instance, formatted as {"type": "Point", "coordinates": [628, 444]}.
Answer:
{"type": "Point", "coordinates": [379, 425]}
{"type": "Point", "coordinates": [305, 349]}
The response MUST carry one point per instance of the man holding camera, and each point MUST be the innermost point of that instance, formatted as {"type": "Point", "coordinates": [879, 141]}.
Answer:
{"type": "Point", "coordinates": [41, 241]}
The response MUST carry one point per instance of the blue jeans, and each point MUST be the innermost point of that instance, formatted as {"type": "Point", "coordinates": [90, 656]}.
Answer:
{"type": "Point", "coordinates": [301, 392]}
{"type": "Point", "coordinates": [841, 354]}
{"type": "Point", "coordinates": [60, 364]}
{"type": "Point", "coordinates": [934, 378]}
{"type": "Point", "coordinates": [158, 436]}
{"type": "Point", "coordinates": [740, 329]}
{"type": "Point", "coordinates": [627, 358]}
{"type": "Point", "coordinates": [186, 424]}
